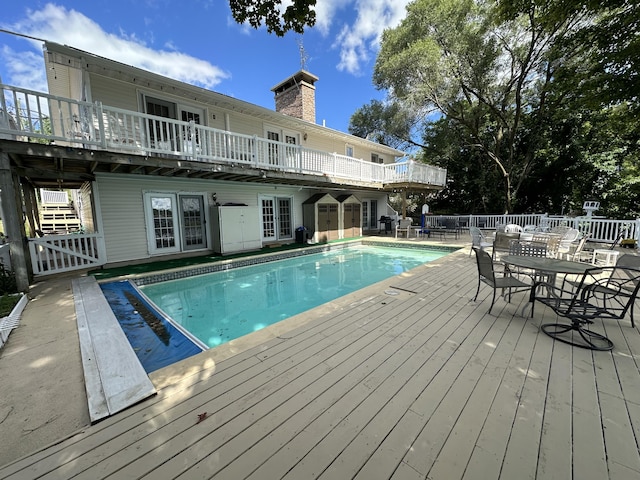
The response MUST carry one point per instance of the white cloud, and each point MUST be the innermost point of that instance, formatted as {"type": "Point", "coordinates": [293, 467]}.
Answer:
{"type": "Point", "coordinates": [26, 69]}
{"type": "Point", "coordinates": [359, 41]}
{"type": "Point", "coordinates": [326, 10]}
{"type": "Point", "coordinates": [69, 27]}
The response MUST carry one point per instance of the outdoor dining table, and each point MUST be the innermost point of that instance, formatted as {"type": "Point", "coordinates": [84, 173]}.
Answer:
{"type": "Point", "coordinates": [546, 266]}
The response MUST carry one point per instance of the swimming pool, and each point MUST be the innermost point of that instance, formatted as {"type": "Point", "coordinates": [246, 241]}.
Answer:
{"type": "Point", "coordinates": [218, 307]}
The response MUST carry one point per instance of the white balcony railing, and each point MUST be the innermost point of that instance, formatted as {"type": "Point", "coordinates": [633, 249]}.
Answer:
{"type": "Point", "coordinates": [28, 115]}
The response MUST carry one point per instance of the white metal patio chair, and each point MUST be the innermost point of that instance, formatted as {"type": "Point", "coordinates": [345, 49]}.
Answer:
{"type": "Point", "coordinates": [404, 226]}
{"type": "Point", "coordinates": [478, 239]}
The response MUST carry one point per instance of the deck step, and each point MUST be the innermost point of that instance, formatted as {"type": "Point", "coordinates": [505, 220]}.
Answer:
{"type": "Point", "coordinates": [114, 377]}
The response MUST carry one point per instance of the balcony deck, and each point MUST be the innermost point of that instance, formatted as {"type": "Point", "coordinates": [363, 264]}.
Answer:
{"type": "Point", "coordinates": [90, 137]}
{"type": "Point", "coordinates": [406, 379]}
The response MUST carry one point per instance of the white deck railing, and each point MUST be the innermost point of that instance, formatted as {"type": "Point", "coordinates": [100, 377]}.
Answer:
{"type": "Point", "coordinates": [29, 115]}
{"type": "Point", "coordinates": [63, 253]}
{"type": "Point", "coordinates": [601, 229]}
{"type": "Point", "coordinates": [53, 197]}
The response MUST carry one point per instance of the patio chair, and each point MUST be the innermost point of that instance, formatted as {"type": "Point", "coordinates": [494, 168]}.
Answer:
{"type": "Point", "coordinates": [502, 242]}
{"type": "Point", "coordinates": [528, 249]}
{"type": "Point", "coordinates": [575, 255]}
{"type": "Point", "coordinates": [478, 239]}
{"type": "Point", "coordinates": [627, 260]}
{"type": "Point", "coordinates": [553, 244]}
{"type": "Point", "coordinates": [560, 229]}
{"type": "Point", "coordinates": [610, 254]}
{"type": "Point", "coordinates": [604, 293]}
{"type": "Point", "coordinates": [487, 275]}
{"type": "Point", "coordinates": [513, 228]}
{"type": "Point", "coordinates": [404, 225]}
{"type": "Point", "coordinates": [567, 241]}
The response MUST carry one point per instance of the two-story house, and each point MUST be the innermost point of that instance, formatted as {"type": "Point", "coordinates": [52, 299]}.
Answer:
{"type": "Point", "coordinates": [167, 168]}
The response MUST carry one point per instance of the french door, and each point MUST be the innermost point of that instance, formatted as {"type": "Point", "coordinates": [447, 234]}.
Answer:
{"type": "Point", "coordinates": [166, 135]}
{"type": "Point", "coordinates": [276, 155]}
{"type": "Point", "coordinates": [175, 222]}
{"type": "Point", "coordinates": [193, 222]}
{"type": "Point", "coordinates": [370, 214]}
{"type": "Point", "coordinates": [277, 218]}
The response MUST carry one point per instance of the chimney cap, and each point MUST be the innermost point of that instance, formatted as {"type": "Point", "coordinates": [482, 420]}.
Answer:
{"type": "Point", "coordinates": [296, 78]}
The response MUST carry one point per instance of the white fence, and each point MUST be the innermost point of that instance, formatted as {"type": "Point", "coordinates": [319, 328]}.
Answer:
{"type": "Point", "coordinates": [63, 253]}
{"type": "Point", "coordinates": [601, 229]}
{"type": "Point", "coordinates": [33, 115]}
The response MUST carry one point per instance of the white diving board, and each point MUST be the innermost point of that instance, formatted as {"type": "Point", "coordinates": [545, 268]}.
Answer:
{"type": "Point", "coordinates": [114, 377]}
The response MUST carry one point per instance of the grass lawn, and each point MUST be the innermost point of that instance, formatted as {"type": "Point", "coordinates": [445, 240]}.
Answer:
{"type": "Point", "coordinates": [7, 302]}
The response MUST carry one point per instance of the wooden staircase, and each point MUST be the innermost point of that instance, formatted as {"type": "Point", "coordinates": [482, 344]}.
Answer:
{"type": "Point", "coordinates": [57, 213]}
{"type": "Point", "coordinates": [58, 218]}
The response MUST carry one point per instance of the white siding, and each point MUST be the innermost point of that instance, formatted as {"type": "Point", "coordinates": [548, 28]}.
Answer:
{"type": "Point", "coordinates": [114, 93]}
{"type": "Point", "coordinates": [336, 145]}
{"type": "Point", "coordinates": [122, 207]}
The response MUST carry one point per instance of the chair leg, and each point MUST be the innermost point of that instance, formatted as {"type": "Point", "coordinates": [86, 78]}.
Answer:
{"type": "Point", "coordinates": [493, 300]}
{"type": "Point", "coordinates": [477, 291]}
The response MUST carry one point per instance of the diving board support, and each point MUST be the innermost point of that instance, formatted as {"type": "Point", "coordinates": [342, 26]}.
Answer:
{"type": "Point", "coordinates": [114, 377]}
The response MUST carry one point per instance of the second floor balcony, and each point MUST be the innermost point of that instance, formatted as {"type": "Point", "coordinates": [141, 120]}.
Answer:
{"type": "Point", "coordinates": [92, 137]}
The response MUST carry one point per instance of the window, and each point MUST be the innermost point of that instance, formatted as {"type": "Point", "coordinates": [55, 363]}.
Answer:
{"type": "Point", "coordinates": [348, 151]}
{"type": "Point", "coordinates": [375, 158]}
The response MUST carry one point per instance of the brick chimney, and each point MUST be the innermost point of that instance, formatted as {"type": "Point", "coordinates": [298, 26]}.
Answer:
{"type": "Point", "coordinates": [296, 96]}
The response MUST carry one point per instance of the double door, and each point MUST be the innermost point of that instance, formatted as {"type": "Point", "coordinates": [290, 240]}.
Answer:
{"type": "Point", "coordinates": [175, 222]}
{"type": "Point", "coordinates": [277, 218]}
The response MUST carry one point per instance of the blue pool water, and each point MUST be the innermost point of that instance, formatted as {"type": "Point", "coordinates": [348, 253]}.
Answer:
{"type": "Point", "coordinates": [219, 307]}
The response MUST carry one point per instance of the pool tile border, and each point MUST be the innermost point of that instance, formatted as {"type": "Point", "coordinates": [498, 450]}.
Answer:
{"type": "Point", "coordinates": [223, 265]}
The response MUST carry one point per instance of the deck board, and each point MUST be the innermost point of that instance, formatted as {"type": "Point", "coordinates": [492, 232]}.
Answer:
{"type": "Point", "coordinates": [408, 379]}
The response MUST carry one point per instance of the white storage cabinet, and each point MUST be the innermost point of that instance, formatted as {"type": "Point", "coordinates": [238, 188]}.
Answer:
{"type": "Point", "coordinates": [236, 229]}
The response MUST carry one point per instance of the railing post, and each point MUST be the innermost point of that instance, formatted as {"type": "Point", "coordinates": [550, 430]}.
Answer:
{"type": "Point", "coordinates": [193, 135]}
{"type": "Point", "coordinates": [101, 248]}
{"type": "Point", "coordinates": [300, 152]}
{"type": "Point", "coordinates": [254, 151]}
{"type": "Point", "coordinates": [100, 113]}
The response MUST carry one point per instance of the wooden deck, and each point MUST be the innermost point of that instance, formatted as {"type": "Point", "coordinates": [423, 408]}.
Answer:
{"type": "Point", "coordinates": [407, 379]}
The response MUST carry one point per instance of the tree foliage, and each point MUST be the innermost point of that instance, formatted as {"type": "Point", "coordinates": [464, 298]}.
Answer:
{"type": "Point", "coordinates": [537, 101]}
{"type": "Point", "coordinates": [386, 123]}
{"type": "Point", "coordinates": [483, 74]}
{"type": "Point", "coordinates": [277, 18]}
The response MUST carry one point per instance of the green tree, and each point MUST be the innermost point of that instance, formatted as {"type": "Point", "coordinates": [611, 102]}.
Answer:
{"type": "Point", "coordinates": [589, 148]}
{"type": "Point", "coordinates": [385, 123]}
{"type": "Point", "coordinates": [609, 44]}
{"type": "Point", "coordinates": [274, 16]}
{"type": "Point", "coordinates": [480, 72]}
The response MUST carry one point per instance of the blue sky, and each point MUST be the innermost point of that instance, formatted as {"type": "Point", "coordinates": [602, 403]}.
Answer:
{"type": "Point", "coordinates": [198, 42]}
